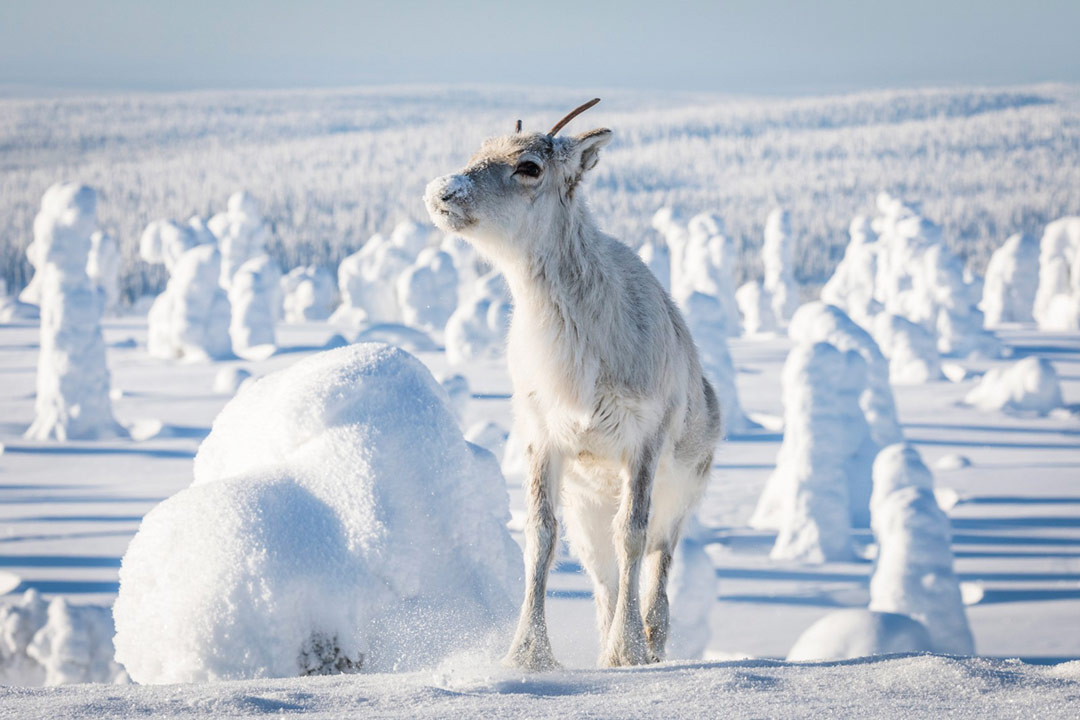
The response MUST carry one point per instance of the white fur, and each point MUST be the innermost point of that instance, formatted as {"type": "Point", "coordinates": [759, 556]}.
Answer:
{"type": "Point", "coordinates": [617, 419]}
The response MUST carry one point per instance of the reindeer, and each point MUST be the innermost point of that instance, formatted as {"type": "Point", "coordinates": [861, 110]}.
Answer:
{"type": "Point", "coordinates": [619, 422]}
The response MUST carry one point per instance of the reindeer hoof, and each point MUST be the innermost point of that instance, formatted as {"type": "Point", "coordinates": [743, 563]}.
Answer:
{"type": "Point", "coordinates": [531, 655]}
{"type": "Point", "coordinates": [626, 654]}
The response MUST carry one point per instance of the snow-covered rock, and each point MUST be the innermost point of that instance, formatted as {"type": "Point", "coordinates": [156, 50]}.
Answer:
{"type": "Point", "coordinates": [1028, 385]}
{"type": "Point", "coordinates": [241, 234]}
{"type": "Point", "coordinates": [1057, 300]}
{"type": "Point", "coordinates": [190, 320]}
{"type": "Point", "coordinates": [56, 643]}
{"type": "Point", "coordinates": [254, 296]}
{"type": "Point", "coordinates": [708, 325]}
{"type": "Point", "coordinates": [914, 571]}
{"type": "Point", "coordinates": [856, 633]}
{"type": "Point", "coordinates": [755, 306]}
{"type": "Point", "coordinates": [912, 351]}
{"type": "Point", "coordinates": [427, 291]}
{"type": "Point", "coordinates": [1011, 282]}
{"type": "Point", "coordinates": [103, 267]}
{"type": "Point", "coordinates": [307, 293]}
{"type": "Point", "coordinates": [338, 521]}
{"type": "Point", "coordinates": [806, 497]}
{"type": "Point", "coordinates": [72, 376]}
{"type": "Point", "coordinates": [478, 328]}
{"type": "Point", "coordinates": [777, 257]}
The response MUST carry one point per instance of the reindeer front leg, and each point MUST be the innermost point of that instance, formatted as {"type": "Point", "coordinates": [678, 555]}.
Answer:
{"type": "Point", "coordinates": [531, 648]}
{"type": "Point", "coordinates": [626, 643]}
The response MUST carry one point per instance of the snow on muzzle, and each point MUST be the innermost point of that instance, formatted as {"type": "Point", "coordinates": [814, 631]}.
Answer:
{"type": "Point", "coordinates": [447, 199]}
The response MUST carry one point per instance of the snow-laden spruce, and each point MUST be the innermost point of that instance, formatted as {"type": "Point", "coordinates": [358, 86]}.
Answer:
{"type": "Point", "coordinates": [818, 322]}
{"type": "Point", "coordinates": [1012, 279]}
{"type": "Point", "coordinates": [708, 323]}
{"type": "Point", "coordinates": [427, 291]}
{"type": "Point", "coordinates": [190, 319]}
{"type": "Point", "coordinates": [56, 643]}
{"type": "Point", "coordinates": [337, 521]}
{"type": "Point", "coordinates": [478, 328]}
{"type": "Point", "coordinates": [755, 306]}
{"type": "Point", "coordinates": [241, 234]}
{"type": "Point", "coordinates": [103, 267]}
{"type": "Point", "coordinates": [911, 349]}
{"type": "Point", "coordinates": [777, 256]}
{"type": "Point", "coordinates": [367, 281]}
{"type": "Point", "coordinates": [806, 496]}
{"type": "Point", "coordinates": [255, 298]}
{"type": "Point", "coordinates": [165, 241]}
{"type": "Point", "coordinates": [914, 571]}
{"type": "Point", "coordinates": [72, 377]}
{"type": "Point", "coordinates": [851, 287]}
{"type": "Point", "coordinates": [307, 293]}
{"type": "Point", "coordinates": [1057, 300]}
{"type": "Point", "coordinates": [1028, 385]}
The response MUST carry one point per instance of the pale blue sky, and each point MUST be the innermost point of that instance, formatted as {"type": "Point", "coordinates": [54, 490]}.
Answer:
{"type": "Point", "coordinates": [761, 47]}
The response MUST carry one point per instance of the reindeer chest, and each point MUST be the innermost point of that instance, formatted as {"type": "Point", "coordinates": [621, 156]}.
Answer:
{"type": "Point", "coordinates": [560, 383]}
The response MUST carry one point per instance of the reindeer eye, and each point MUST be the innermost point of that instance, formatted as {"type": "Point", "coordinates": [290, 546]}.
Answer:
{"type": "Point", "coordinates": [527, 168]}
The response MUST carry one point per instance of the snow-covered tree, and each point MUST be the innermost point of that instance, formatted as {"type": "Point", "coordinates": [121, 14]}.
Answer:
{"type": "Point", "coordinates": [190, 320]}
{"type": "Point", "coordinates": [72, 379]}
{"type": "Point", "coordinates": [1011, 282]}
{"type": "Point", "coordinates": [777, 256]}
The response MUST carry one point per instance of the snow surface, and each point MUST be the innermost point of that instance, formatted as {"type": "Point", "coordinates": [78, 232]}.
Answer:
{"type": "Point", "coordinates": [315, 538]}
{"type": "Point", "coordinates": [887, 687]}
{"type": "Point", "coordinates": [854, 633]}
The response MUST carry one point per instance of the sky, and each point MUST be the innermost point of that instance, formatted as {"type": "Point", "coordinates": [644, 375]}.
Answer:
{"type": "Point", "coordinates": [754, 47]}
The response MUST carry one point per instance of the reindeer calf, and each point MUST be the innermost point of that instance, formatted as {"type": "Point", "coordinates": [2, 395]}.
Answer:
{"type": "Point", "coordinates": [619, 422]}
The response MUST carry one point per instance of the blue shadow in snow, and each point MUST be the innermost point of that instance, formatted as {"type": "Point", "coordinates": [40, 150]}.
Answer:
{"type": "Point", "coordinates": [76, 518]}
{"type": "Point", "coordinates": [67, 450]}
{"type": "Point", "coordinates": [994, 443]}
{"type": "Point", "coordinates": [994, 428]}
{"type": "Point", "coordinates": [1021, 500]}
{"type": "Point", "coordinates": [570, 594]}
{"type": "Point", "coordinates": [70, 587]}
{"type": "Point", "coordinates": [54, 561]}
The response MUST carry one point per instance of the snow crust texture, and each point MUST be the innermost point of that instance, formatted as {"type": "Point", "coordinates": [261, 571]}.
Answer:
{"type": "Point", "coordinates": [337, 521]}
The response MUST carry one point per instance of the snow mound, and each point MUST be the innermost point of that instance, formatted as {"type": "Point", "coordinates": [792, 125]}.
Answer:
{"type": "Point", "coordinates": [73, 379]}
{"type": "Point", "coordinates": [1011, 282]}
{"type": "Point", "coordinates": [56, 643]}
{"type": "Point", "coordinates": [367, 280]}
{"type": "Point", "coordinates": [404, 337]}
{"type": "Point", "coordinates": [489, 435]}
{"type": "Point", "coordinates": [952, 461]}
{"type": "Point", "coordinates": [1029, 385]}
{"type": "Point", "coordinates": [457, 389]}
{"type": "Point", "coordinates": [307, 293]}
{"type": "Point", "coordinates": [855, 633]}
{"type": "Point", "coordinates": [316, 538]}
{"type": "Point", "coordinates": [914, 573]}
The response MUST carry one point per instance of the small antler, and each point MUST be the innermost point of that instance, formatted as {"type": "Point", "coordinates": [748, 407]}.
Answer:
{"type": "Point", "coordinates": [517, 128]}
{"type": "Point", "coordinates": [573, 114]}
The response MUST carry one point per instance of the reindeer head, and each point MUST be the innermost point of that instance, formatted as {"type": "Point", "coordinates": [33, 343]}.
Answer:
{"type": "Point", "coordinates": [515, 184]}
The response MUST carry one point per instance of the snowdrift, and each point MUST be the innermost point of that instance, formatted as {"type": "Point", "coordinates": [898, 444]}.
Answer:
{"type": "Point", "coordinates": [337, 521]}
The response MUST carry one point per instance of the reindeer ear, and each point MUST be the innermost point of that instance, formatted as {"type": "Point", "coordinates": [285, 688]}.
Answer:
{"type": "Point", "coordinates": [587, 147]}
